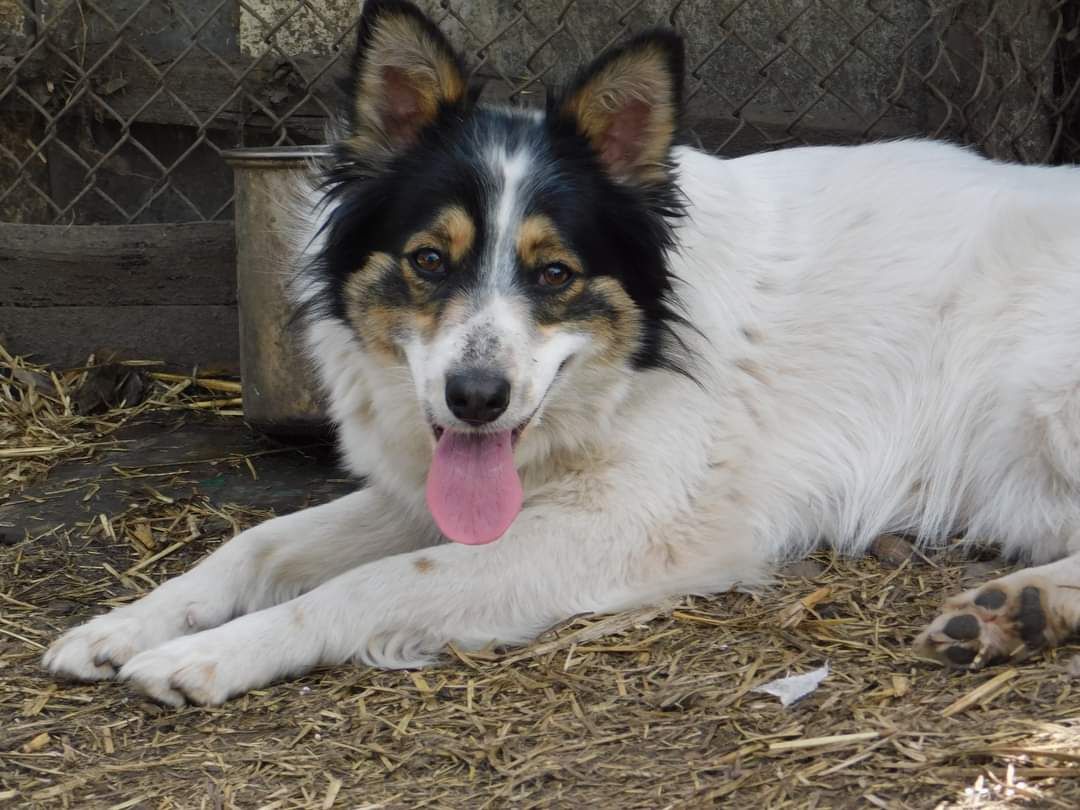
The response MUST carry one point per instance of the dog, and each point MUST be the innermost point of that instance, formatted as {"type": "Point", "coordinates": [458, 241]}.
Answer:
{"type": "Point", "coordinates": [583, 367]}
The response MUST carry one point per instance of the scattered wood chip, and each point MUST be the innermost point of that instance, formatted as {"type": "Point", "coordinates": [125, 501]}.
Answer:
{"type": "Point", "coordinates": [982, 693]}
{"type": "Point", "coordinates": [37, 743]}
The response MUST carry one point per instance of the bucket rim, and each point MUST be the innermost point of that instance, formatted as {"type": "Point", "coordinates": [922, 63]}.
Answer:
{"type": "Point", "coordinates": [276, 154]}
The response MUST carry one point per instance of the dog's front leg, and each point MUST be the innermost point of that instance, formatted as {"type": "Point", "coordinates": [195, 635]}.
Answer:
{"type": "Point", "coordinates": [267, 564]}
{"type": "Point", "coordinates": [402, 611]}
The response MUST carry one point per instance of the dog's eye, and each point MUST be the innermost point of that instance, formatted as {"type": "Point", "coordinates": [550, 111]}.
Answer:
{"type": "Point", "coordinates": [428, 261]}
{"type": "Point", "coordinates": [555, 276]}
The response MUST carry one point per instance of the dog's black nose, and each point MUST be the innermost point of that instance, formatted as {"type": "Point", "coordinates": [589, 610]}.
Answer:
{"type": "Point", "coordinates": [477, 397]}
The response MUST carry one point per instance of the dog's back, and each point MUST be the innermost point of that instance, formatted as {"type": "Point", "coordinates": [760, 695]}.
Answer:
{"type": "Point", "coordinates": [893, 330]}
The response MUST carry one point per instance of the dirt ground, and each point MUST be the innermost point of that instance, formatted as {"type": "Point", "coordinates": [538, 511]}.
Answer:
{"type": "Point", "coordinates": [100, 501]}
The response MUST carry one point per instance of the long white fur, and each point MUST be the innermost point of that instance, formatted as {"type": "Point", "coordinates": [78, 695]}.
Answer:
{"type": "Point", "coordinates": [890, 340]}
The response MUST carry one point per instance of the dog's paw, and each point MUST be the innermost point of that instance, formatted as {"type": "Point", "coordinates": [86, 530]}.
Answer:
{"type": "Point", "coordinates": [99, 648]}
{"type": "Point", "coordinates": [96, 650]}
{"type": "Point", "coordinates": [1007, 619]}
{"type": "Point", "coordinates": [183, 671]}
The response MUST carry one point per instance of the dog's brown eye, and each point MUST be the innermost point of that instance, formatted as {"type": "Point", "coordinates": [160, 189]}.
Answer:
{"type": "Point", "coordinates": [555, 275]}
{"type": "Point", "coordinates": [428, 261]}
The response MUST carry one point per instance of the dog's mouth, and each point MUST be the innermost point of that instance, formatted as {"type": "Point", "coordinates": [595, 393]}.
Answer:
{"type": "Point", "coordinates": [515, 434]}
{"type": "Point", "coordinates": [473, 489]}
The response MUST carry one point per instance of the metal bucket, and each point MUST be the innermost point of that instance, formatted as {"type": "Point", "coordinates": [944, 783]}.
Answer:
{"type": "Point", "coordinates": [279, 389]}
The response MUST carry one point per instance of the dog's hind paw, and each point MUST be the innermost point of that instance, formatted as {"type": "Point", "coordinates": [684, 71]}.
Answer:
{"type": "Point", "coordinates": [1005, 620]}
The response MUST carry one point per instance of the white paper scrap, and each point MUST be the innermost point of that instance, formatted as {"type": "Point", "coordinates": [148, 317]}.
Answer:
{"type": "Point", "coordinates": [794, 687]}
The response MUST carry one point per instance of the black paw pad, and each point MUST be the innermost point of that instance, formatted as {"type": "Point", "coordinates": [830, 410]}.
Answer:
{"type": "Point", "coordinates": [961, 656]}
{"type": "Point", "coordinates": [1031, 617]}
{"type": "Point", "coordinates": [963, 627]}
{"type": "Point", "coordinates": [991, 599]}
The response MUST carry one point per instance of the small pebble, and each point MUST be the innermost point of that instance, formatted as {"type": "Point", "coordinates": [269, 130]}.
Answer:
{"type": "Point", "coordinates": [891, 550]}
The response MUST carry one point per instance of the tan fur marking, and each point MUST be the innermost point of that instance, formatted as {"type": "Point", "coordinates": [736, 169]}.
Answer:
{"type": "Point", "coordinates": [619, 334]}
{"type": "Point", "coordinates": [406, 77]}
{"type": "Point", "coordinates": [453, 233]}
{"type": "Point", "coordinates": [423, 565]}
{"type": "Point", "coordinates": [627, 111]}
{"type": "Point", "coordinates": [425, 323]}
{"type": "Point", "coordinates": [539, 243]}
{"type": "Point", "coordinates": [374, 323]}
{"type": "Point", "coordinates": [460, 232]}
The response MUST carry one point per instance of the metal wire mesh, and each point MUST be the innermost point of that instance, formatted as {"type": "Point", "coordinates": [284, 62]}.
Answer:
{"type": "Point", "coordinates": [115, 111]}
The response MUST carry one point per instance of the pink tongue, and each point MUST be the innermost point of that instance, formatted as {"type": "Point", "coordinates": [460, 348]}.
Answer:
{"type": "Point", "coordinates": [473, 489]}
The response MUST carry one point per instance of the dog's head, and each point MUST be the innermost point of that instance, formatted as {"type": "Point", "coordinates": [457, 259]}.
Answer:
{"type": "Point", "coordinates": [497, 254]}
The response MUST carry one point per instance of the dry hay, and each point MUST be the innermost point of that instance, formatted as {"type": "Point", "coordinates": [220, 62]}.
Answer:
{"type": "Point", "coordinates": [650, 709]}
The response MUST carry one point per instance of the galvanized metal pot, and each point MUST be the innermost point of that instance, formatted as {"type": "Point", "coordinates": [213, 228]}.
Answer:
{"type": "Point", "coordinates": [279, 390]}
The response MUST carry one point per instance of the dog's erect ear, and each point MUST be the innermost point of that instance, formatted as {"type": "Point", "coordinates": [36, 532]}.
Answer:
{"type": "Point", "coordinates": [403, 72]}
{"type": "Point", "coordinates": [627, 103]}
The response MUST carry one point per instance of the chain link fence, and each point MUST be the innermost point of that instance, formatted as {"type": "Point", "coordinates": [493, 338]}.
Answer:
{"type": "Point", "coordinates": [116, 111]}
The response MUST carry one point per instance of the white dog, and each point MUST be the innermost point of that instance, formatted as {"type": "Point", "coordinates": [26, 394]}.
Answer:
{"type": "Point", "coordinates": [613, 369]}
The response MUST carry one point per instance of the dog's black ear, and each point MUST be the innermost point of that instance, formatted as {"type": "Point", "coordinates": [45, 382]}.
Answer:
{"type": "Point", "coordinates": [404, 73]}
{"type": "Point", "coordinates": [628, 104]}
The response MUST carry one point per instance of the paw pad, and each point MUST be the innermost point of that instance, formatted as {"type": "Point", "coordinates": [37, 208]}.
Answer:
{"type": "Point", "coordinates": [991, 598]}
{"type": "Point", "coordinates": [1031, 618]}
{"type": "Point", "coordinates": [991, 625]}
{"type": "Point", "coordinates": [963, 627]}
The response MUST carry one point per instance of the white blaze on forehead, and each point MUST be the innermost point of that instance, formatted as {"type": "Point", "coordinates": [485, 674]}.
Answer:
{"type": "Point", "coordinates": [510, 171]}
